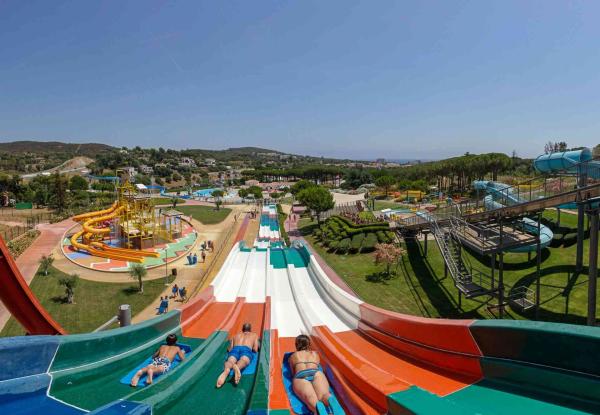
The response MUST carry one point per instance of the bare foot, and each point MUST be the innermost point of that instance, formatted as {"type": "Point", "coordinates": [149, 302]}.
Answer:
{"type": "Point", "coordinates": [134, 381]}
{"type": "Point", "coordinates": [221, 379]}
{"type": "Point", "coordinates": [237, 375]}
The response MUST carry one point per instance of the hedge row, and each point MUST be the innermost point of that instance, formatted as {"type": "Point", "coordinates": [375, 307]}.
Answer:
{"type": "Point", "coordinates": [341, 238]}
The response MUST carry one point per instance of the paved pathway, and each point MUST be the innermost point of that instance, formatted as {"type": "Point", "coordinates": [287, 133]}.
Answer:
{"type": "Point", "coordinates": [190, 277]}
{"type": "Point", "coordinates": [291, 225]}
{"type": "Point", "coordinates": [29, 261]}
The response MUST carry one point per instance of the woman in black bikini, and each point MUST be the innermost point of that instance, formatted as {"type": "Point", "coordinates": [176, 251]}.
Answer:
{"type": "Point", "coordinates": [309, 384]}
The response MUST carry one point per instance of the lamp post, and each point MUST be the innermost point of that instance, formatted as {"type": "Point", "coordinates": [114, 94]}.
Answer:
{"type": "Point", "coordinates": [166, 265]}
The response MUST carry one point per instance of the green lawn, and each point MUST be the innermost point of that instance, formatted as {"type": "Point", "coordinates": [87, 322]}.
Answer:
{"type": "Point", "coordinates": [167, 201]}
{"type": "Point", "coordinates": [207, 215]}
{"type": "Point", "coordinates": [386, 204]}
{"type": "Point", "coordinates": [95, 302]}
{"type": "Point", "coordinates": [420, 287]}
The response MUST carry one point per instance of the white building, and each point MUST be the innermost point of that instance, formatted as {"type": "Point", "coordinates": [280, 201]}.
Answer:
{"type": "Point", "coordinates": [146, 169]}
{"type": "Point", "coordinates": [130, 171]}
{"type": "Point", "coordinates": [187, 162]}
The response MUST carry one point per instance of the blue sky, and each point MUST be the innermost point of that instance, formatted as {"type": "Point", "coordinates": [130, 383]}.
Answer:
{"type": "Point", "coordinates": [392, 79]}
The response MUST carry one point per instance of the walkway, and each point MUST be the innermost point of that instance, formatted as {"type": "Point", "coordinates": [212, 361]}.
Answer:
{"type": "Point", "coordinates": [223, 235]}
{"type": "Point", "coordinates": [29, 261]}
{"type": "Point", "coordinates": [291, 225]}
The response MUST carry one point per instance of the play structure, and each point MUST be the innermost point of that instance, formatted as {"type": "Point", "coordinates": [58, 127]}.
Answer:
{"type": "Point", "coordinates": [128, 229]}
{"type": "Point", "coordinates": [376, 361]}
{"type": "Point", "coordinates": [508, 219]}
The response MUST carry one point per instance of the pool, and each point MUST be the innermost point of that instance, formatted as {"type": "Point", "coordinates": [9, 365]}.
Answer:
{"type": "Point", "coordinates": [204, 192]}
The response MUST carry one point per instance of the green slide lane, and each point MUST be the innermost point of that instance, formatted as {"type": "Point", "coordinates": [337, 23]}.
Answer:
{"type": "Point", "coordinates": [259, 401]}
{"type": "Point", "coordinates": [193, 390]}
{"type": "Point", "coordinates": [97, 384]}
{"type": "Point", "coordinates": [504, 401]}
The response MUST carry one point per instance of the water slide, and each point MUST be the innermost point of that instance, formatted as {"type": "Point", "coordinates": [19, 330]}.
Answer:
{"type": "Point", "coordinates": [269, 224]}
{"type": "Point", "coordinates": [500, 191]}
{"type": "Point", "coordinates": [100, 249]}
{"type": "Point", "coordinates": [568, 162]}
{"type": "Point", "coordinates": [376, 361]}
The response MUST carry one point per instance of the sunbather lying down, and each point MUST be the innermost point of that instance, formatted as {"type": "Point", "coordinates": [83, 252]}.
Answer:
{"type": "Point", "coordinates": [240, 354]}
{"type": "Point", "coordinates": [161, 360]}
{"type": "Point", "coordinates": [309, 384]}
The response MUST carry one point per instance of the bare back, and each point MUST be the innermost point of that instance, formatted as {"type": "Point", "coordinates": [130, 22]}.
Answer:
{"type": "Point", "coordinates": [247, 339]}
{"type": "Point", "coordinates": [304, 359]}
{"type": "Point", "coordinates": [169, 352]}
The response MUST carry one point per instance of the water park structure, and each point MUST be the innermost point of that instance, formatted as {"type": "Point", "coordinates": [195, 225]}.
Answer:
{"type": "Point", "coordinates": [129, 231]}
{"type": "Point", "coordinates": [376, 361]}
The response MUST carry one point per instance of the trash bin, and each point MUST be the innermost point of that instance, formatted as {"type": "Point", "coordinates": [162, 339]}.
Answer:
{"type": "Point", "coordinates": [124, 315]}
{"type": "Point", "coordinates": [174, 272]}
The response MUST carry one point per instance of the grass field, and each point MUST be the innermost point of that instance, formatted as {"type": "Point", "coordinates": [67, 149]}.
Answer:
{"type": "Point", "coordinates": [167, 201]}
{"type": "Point", "coordinates": [387, 204]}
{"type": "Point", "coordinates": [420, 287]}
{"type": "Point", "coordinates": [95, 302]}
{"type": "Point", "coordinates": [207, 215]}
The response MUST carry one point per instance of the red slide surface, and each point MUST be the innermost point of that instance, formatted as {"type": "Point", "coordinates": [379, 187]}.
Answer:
{"type": "Point", "coordinates": [20, 301]}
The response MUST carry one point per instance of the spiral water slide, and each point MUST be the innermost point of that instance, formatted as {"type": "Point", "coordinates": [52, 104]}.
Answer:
{"type": "Point", "coordinates": [497, 192]}
{"type": "Point", "coordinates": [100, 249]}
{"type": "Point", "coordinates": [569, 162]}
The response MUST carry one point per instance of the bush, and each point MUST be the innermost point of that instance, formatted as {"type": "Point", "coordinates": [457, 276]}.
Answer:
{"type": "Point", "coordinates": [369, 243]}
{"type": "Point", "coordinates": [318, 233]}
{"type": "Point", "coordinates": [357, 241]}
{"type": "Point", "coordinates": [382, 237]}
{"type": "Point", "coordinates": [334, 245]}
{"type": "Point", "coordinates": [344, 246]}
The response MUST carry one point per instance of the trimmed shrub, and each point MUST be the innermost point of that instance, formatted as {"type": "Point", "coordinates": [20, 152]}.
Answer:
{"type": "Point", "coordinates": [369, 243]}
{"type": "Point", "coordinates": [334, 245]}
{"type": "Point", "coordinates": [357, 241]}
{"type": "Point", "coordinates": [382, 237]}
{"type": "Point", "coordinates": [344, 245]}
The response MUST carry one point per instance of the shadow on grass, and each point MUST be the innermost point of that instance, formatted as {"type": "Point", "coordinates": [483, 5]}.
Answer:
{"type": "Point", "coordinates": [439, 297]}
{"type": "Point", "coordinates": [130, 290]}
{"type": "Point", "coordinates": [485, 260]}
{"type": "Point", "coordinates": [545, 314]}
{"type": "Point", "coordinates": [381, 277]}
{"type": "Point", "coordinates": [59, 299]}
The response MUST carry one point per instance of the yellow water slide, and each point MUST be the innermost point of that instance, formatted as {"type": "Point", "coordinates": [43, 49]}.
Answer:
{"type": "Point", "coordinates": [100, 249]}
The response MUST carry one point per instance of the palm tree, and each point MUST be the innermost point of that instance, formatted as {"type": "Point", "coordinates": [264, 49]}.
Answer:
{"type": "Point", "coordinates": [70, 283]}
{"type": "Point", "coordinates": [46, 263]}
{"type": "Point", "coordinates": [138, 272]}
{"type": "Point", "coordinates": [218, 194]}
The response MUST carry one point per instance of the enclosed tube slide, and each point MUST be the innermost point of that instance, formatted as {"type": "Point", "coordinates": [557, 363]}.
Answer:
{"type": "Point", "coordinates": [500, 191]}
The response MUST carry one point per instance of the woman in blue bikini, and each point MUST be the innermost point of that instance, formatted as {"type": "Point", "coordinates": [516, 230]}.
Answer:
{"type": "Point", "coordinates": [309, 384]}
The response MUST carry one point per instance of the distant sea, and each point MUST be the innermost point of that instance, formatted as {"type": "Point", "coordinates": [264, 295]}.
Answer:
{"type": "Point", "coordinates": [405, 161]}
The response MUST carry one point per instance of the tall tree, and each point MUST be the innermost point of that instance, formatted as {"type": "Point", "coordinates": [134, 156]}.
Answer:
{"type": "Point", "coordinates": [318, 199]}
{"type": "Point", "coordinates": [385, 182]}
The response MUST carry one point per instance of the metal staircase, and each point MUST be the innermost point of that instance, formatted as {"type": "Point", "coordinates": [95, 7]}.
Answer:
{"type": "Point", "coordinates": [450, 249]}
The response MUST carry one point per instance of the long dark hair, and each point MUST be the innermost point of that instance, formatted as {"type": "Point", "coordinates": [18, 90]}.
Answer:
{"type": "Point", "coordinates": [302, 342]}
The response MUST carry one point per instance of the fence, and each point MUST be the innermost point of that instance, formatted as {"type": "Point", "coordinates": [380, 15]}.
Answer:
{"type": "Point", "coordinates": [218, 250]}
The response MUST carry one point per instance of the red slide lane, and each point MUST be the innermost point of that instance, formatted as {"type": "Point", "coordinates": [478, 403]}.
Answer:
{"type": "Point", "coordinates": [20, 301]}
